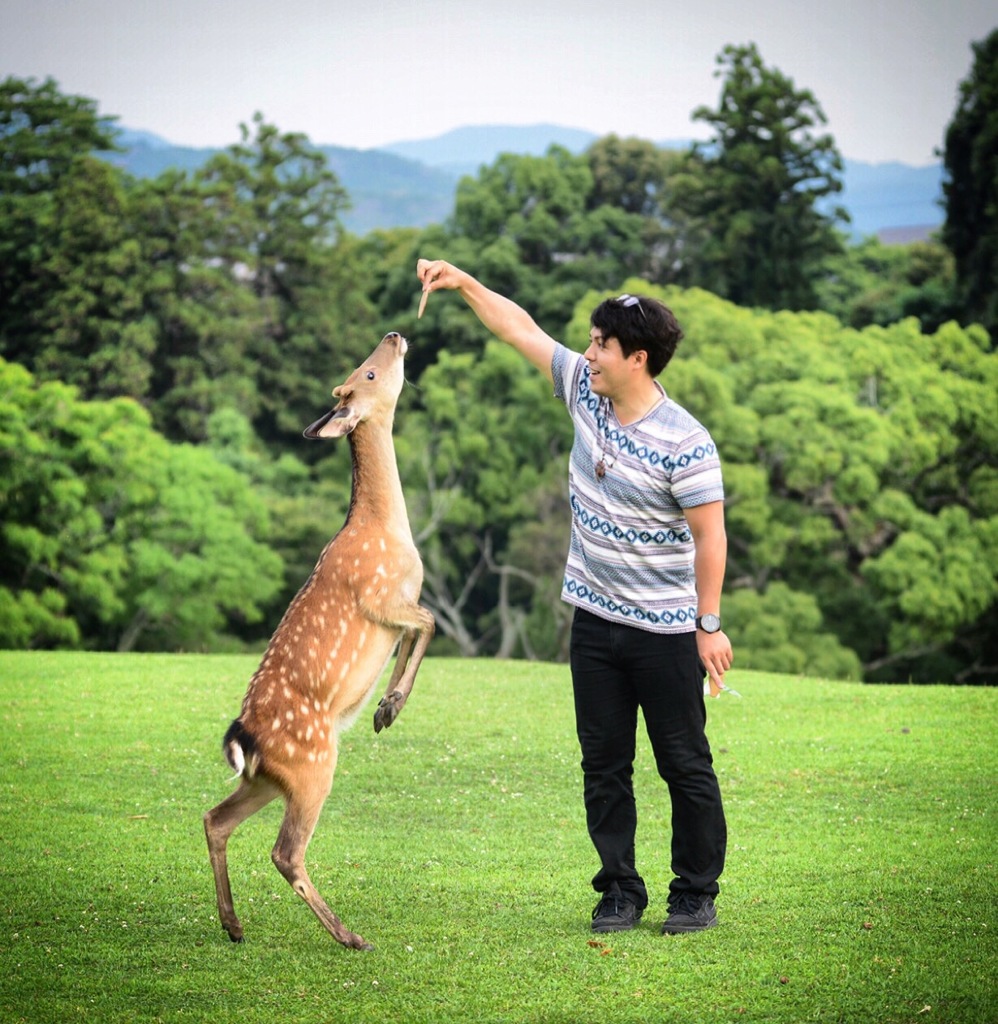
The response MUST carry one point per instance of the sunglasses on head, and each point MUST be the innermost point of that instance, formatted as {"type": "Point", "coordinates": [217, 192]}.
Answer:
{"type": "Point", "coordinates": [631, 300]}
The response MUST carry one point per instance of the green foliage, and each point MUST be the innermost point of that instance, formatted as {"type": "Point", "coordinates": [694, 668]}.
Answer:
{"type": "Point", "coordinates": [970, 159]}
{"type": "Point", "coordinates": [856, 470]}
{"type": "Point", "coordinates": [783, 630]}
{"type": "Point", "coordinates": [226, 287]}
{"type": "Point", "coordinates": [859, 459]}
{"type": "Point", "coordinates": [112, 537]}
{"type": "Point", "coordinates": [873, 283]}
{"type": "Point", "coordinates": [860, 821]}
{"type": "Point", "coordinates": [265, 237]}
{"type": "Point", "coordinates": [754, 186]}
{"type": "Point", "coordinates": [68, 263]}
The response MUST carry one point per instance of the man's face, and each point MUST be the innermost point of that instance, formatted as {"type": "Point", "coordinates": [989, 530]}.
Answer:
{"type": "Point", "coordinates": [609, 368]}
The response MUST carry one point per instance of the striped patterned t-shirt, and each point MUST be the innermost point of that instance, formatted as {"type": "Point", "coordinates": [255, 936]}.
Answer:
{"type": "Point", "coordinates": [631, 553]}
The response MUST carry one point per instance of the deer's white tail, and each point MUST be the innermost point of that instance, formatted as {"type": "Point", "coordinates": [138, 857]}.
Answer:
{"type": "Point", "coordinates": [240, 751]}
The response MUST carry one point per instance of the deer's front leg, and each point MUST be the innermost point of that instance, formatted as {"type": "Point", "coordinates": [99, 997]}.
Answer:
{"type": "Point", "coordinates": [391, 704]}
{"type": "Point", "coordinates": [411, 650]}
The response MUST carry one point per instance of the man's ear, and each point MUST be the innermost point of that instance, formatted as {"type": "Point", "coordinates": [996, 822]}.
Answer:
{"type": "Point", "coordinates": [640, 357]}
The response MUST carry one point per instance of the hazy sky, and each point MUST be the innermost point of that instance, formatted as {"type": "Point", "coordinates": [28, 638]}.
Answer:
{"type": "Point", "coordinates": [363, 73]}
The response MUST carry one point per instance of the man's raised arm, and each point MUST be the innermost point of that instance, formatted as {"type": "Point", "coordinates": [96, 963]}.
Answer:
{"type": "Point", "coordinates": [503, 317]}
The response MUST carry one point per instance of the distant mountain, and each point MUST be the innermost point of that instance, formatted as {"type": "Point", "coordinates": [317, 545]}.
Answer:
{"type": "Point", "coordinates": [385, 190]}
{"type": "Point", "coordinates": [411, 183]}
{"type": "Point", "coordinates": [880, 197]}
{"type": "Point", "coordinates": [465, 150]}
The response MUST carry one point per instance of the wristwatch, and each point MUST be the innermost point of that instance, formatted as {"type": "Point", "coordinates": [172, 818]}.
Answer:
{"type": "Point", "coordinates": [709, 623]}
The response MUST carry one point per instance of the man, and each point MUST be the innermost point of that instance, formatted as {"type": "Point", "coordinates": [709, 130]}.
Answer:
{"type": "Point", "coordinates": [645, 567]}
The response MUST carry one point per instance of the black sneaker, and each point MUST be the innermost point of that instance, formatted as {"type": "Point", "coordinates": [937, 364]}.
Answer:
{"type": "Point", "coordinates": [690, 912]}
{"type": "Point", "coordinates": [615, 913]}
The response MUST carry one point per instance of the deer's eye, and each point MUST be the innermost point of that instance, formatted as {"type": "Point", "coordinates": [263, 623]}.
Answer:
{"type": "Point", "coordinates": [371, 374]}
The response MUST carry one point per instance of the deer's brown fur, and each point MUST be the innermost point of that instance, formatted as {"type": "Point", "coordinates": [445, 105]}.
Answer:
{"type": "Point", "coordinates": [331, 647]}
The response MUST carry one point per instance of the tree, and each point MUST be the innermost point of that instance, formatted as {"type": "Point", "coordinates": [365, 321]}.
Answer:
{"type": "Point", "coordinates": [89, 324]}
{"type": "Point", "coordinates": [525, 216]}
{"type": "Point", "coordinates": [970, 160]}
{"type": "Point", "coordinates": [859, 470]}
{"type": "Point", "coordinates": [633, 192]}
{"type": "Point", "coordinates": [229, 287]}
{"type": "Point", "coordinates": [753, 189]}
{"type": "Point", "coordinates": [276, 232]}
{"type": "Point", "coordinates": [51, 186]}
{"type": "Point", "coordinates": [110, 537]}
{"type": "Point", "coordinates": [873, 283]}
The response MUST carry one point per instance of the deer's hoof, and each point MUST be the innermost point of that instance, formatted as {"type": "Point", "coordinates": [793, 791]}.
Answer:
{"type": "Point", "coordinates": [388, 710]}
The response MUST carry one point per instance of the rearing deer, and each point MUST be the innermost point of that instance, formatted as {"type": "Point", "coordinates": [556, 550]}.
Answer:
{"type": "Point", "coordinates": [331, 646]}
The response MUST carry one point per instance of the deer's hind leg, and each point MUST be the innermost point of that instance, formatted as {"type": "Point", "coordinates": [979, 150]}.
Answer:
{"type": "Point", "coordinates": [219, 823]}
{"type": "Point", "coordinates": [301, 814]}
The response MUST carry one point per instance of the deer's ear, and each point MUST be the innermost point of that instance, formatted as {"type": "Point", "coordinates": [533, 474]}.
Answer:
{"type": "Point", "coordinates": [337, 423]}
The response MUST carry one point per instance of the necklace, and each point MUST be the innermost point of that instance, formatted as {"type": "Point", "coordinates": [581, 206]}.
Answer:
{"type": "Point", "coordinates": [601, 466]}
{"type": "Point", "coordinates": [603, 436]}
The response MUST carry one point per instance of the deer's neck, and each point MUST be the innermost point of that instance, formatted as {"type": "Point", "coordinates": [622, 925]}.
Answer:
{"type": "Point", "coordinates": [377, 490]}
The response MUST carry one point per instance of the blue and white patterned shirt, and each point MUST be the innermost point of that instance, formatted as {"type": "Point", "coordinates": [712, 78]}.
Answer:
{"type": "Point", "coordinates": [631, 554]}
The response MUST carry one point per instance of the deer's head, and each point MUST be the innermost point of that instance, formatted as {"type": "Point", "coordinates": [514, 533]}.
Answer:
{"type": "Point", "coordinates": [370, 392]}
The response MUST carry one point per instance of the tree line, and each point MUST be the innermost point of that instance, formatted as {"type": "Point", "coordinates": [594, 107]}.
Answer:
{"type": "Point", "coordinates": [163, 342]}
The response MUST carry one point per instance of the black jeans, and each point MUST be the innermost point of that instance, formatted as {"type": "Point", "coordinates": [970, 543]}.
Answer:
{"type": "Point", "coordinates": [615, 670]}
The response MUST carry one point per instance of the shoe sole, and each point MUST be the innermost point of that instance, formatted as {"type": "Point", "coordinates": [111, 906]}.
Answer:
{"type": "Point", "coordinates": [684, 929]}
{"type": "Point", "coordinates": [613, 928]}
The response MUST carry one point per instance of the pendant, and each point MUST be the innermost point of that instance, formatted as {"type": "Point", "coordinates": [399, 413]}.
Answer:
{"type": "Point", "coordinates": [600, 469]}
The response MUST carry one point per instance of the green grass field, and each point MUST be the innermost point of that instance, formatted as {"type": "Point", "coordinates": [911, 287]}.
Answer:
{"type": "Point", "coordinates": [860, 884]}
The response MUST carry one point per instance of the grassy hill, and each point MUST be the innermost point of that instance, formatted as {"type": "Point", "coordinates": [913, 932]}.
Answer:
{"type": "Point", "coordinates": [860, 883]}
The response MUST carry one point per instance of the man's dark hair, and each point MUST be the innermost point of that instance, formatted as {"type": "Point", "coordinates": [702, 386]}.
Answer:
{"type": "Point", "coordinates": [638, 322]}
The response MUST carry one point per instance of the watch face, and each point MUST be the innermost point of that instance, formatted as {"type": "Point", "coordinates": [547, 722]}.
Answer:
{"type": "Point", "coordinates": [709, 623]}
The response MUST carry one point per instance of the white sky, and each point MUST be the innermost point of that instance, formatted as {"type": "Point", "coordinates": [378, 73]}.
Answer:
{"type": "Point", "coordinates": [363, 73]}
